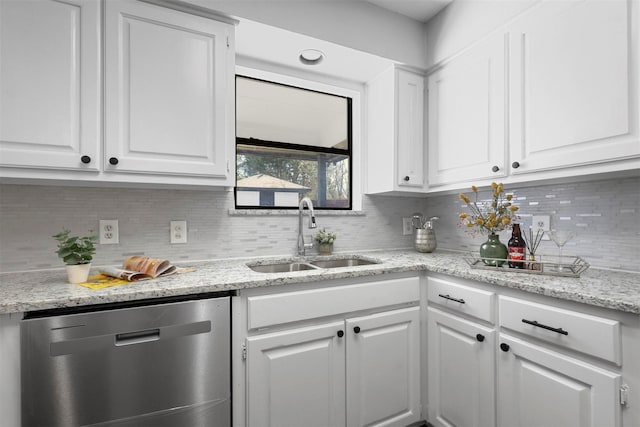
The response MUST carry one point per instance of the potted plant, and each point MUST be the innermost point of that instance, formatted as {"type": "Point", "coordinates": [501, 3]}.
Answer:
{"type": "Point", "coordinates": [325, 241]}
{"type": "Point", "coordinates": [490, 216]}
{"type": "Point", "coordinates": [77, 253]}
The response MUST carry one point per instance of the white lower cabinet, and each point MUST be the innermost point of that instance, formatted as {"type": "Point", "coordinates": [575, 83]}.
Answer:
{"type": "Point", "coordinates": [355, 369]}
{"type": "Point", "coordinates": [357, 372]}
{"type": "Point", "coordinates": [461, 354]}
{"type": "Point", "coordinates": [541, 387]}
{"type": "Point", "coordinates": [544, 363]}
{"type": "Point", "coordinates": [383, 368]}
{"type": "Point", "coordinates": [461, 371]}
{"type": "Point", "coordinates": [296, 377]}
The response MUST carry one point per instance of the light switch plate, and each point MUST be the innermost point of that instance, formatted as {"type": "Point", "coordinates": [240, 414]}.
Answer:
{"type": "Point", "coordinates": [178, 231]}
{"type": "Point", "coordinates": [541, 222]}
{"type": "Point", "coordinates": [407, 226]}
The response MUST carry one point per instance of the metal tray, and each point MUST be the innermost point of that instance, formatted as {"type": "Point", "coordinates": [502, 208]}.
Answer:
{"type": "Point", "coordinates": [548, 265]}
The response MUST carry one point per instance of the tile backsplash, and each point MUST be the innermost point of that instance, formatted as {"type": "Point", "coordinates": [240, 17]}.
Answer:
{"type": "Point", "coordinates": [30, 215]}
{"type": "Point", "coordinates": [602, 212]}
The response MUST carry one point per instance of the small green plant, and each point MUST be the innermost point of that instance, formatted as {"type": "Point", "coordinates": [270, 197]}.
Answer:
{"type": "Point", "coordinates": [325, 237]}
{"type": "Point", "coordinates": [73, 249]}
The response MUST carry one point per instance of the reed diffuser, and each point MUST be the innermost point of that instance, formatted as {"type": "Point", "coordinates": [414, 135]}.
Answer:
{"type": "Point", "coordinates": [532, 242]}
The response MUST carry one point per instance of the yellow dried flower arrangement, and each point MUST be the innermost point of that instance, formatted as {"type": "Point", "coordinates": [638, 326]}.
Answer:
{"type": "Point", "coordinates": [490, 216]}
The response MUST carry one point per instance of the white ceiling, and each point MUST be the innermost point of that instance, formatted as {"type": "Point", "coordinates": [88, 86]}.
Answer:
{"type": "Point", "coordinates": [262, 42]}
{"type": "Point", "coordinates": [277, 46]}
{"type": "Point", "coordinates": [420, 10]}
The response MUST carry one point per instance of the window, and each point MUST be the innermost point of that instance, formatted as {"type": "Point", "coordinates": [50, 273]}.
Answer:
{"type": "Point", "coordinates": [291, 143]}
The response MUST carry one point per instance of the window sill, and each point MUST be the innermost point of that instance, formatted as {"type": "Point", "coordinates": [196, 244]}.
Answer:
{"type": "Point", "coordinates": [291, 212]}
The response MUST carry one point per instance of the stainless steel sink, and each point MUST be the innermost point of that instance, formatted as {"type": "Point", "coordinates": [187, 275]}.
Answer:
{"type": "Point", "coordinates": [344, 262]}
{"type": "Point", "coordinates": [283, 267]}
{"type": "Point", "coordinates": [290, 266]}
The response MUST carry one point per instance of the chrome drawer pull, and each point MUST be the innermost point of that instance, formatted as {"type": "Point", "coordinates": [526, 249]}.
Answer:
{"type": "Point", "coordinates": [461, 301]}
{"type": "Point", "coordinates": [549, 328]}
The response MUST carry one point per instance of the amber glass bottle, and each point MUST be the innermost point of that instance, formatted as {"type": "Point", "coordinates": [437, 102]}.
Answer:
{"type": "Point", "coordinates": [517, 248]}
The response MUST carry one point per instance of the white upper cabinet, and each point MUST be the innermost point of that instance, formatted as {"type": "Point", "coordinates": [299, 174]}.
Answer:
{"type": "Point", "coordinates": [572, 84]}
{"type": "Point", "coordinates": [169, 85]}
{"type": "Point", "coordinates": [409, 134]}
{"type": "Point", "coordinates": [395, 157]}
{"type": "Point", "coordinates": [168, 89]}
{"type": "Point", "coordinates": [466, 115]}
{"type": "Point", "coordinates": [50, 84]}
{"type": "Point", "coordinates": [553, 94]}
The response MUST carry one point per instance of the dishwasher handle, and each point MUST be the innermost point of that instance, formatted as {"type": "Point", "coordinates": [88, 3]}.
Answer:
{"type": "Point", "coordinates": [137, 337]}
{"type": "Point", "coordinates": [105, 342]}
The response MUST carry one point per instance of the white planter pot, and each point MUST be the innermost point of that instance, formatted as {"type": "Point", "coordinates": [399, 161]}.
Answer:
{"type": "Point", "coordinates": [78, 273]}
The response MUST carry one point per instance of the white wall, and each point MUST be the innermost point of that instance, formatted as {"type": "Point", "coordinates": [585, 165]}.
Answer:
{"type": "Point", "coordinates": [464, 22]}
{"type": "Point", "coordinates": [355, 24]}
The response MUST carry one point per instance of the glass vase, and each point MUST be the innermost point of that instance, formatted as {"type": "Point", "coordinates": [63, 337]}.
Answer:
{"type": "Point", "coordinates": [492, 248]}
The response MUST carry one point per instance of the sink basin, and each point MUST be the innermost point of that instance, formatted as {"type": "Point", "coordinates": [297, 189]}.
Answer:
{"type": "Point", "coordinates": [282, 267]}
{"type": "Point", "coordinates": [317, 264]}
{"type": "Point", "coordinates": [344, 262]}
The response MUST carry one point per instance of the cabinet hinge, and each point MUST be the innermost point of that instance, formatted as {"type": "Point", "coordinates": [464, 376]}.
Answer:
{"type": "Point", "coordinates": [228, 167]}
{"type": "Point", "coordinates": [624, 395]}
{"type": "Point", "coordinates": [228, 45]}
{"type": "Point", "coordinates": [244, 352]}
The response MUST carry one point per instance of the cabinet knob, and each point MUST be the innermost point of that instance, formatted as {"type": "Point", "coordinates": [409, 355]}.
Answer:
{"type": "Point", "coordinates": [85, 159]}
{"type": "Point", "coordinates": [406, 178]}
{"type": "Point", "coordinates": [480, 337]}
{"type": "Point", "coordinates": [504, 347]}
{"type": "Point", "coordinates": [515, 165]}
{"type": "Point", "coordinates": [356, 329]}
{"type": "Point", "coordinates": [113, 161]}
{"type": "Point", "coordinates": [340, 334]}
{"type": "Point", "coordinates": [495, 169]}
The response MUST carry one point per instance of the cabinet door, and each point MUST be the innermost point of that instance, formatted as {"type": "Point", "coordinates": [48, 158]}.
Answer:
{"type": "Point", "coordinates": [467, 133]}
{"type": "Point", "coordinates": [573, 85]}
{"type": "Point", "coordinates": [383, 369]}
{"type": "Point", "coordinates": [409, 131]}
{"type": "Point", "coordinates": [169, 91]}
{"type": "Point", "coordinates": [539, 387]}
{"type": "Point", "coordinates": [296, 378]}
{"type": "Point", "coordinates": [50, 84]}
{"type": "Point", "coordinates": [461, 371]}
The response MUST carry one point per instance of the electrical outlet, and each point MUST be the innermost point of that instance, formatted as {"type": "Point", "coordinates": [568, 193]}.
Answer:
{"type": "Point", "coordinates": [541, 222]}
{"type": "Point", "coordinates": [109, 232]}
{"type": "Point", "coordinates": [178, 232]}
{"type": "Point", "coordinates": [407, 226]}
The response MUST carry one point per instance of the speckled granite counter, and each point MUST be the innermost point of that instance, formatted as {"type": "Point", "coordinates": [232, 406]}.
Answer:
{"type": "Point", "coordinates": [21, 292]}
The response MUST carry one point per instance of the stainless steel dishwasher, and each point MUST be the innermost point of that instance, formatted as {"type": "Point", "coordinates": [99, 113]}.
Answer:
{"type": "Point", "coordinates": [159, 363]}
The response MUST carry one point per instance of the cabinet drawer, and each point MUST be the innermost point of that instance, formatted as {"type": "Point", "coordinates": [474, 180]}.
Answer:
{"type": "Point", "coordinates": [463, 299]}
{"type": "Point", "coordinates": [269, 310]}
{"type": "Point", "coordinates": [585, 333]}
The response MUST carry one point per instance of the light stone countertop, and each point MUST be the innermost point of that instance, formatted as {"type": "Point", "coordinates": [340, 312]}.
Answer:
{"type": "Point", "coordinates": [40, 290]}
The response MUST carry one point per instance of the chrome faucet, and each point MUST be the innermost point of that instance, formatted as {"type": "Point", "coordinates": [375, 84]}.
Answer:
{"type": "Point", "coordinates": [302, 246]}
